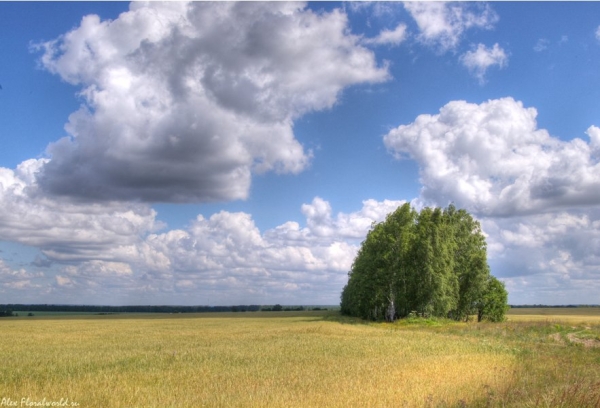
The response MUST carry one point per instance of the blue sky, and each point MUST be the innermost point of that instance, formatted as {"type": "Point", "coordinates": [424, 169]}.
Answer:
{"type": "Point", "coordinates": [223, 153]}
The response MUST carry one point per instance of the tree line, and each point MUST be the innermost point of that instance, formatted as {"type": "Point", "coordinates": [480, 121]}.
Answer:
{"type": "Point", "coordinates": [7, 309]}
{"type": "Point", "coordinates": [427, 263]}
{"type": "Point", "coordinates": [537, 306]}
{"type": "Point", "coordinates": [128, 309]}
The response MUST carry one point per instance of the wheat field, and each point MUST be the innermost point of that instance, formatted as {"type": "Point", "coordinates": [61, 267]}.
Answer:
{"type": "Point", "coordinates": [307, 359]}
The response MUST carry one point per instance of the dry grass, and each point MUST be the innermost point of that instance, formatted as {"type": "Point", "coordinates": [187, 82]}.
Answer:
{"type": "Point", "coordinates": [294, 360]}
{"type": "Point", "coordinates": [573, 315]}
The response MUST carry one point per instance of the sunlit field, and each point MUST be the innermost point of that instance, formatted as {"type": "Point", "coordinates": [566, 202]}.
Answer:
{"type": "Point", "coordinates": [580, 314]}
{"type": "Point", "coordinates": [303, 359]}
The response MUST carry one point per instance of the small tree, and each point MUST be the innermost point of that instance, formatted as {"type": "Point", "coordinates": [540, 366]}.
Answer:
{"type": "Point", "coordinates": [494, 304]}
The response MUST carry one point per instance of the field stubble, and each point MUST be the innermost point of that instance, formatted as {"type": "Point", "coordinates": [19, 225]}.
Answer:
{"type": "Point", "coordinates": [304, 360]}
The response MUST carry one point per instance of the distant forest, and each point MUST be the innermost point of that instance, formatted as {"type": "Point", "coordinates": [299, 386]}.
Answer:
{"type": "Point", "coordinates": [7, 309]}
{"type": "Point", "coordinates": [543, 306]}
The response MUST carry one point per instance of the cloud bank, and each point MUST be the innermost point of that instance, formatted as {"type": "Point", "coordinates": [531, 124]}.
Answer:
{"type": "Point", "coordinates": [218, 260]}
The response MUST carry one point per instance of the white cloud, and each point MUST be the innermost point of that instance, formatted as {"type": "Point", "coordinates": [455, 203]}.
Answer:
{"type": "Point", "coordinates": [185, 101]}
{"type": "Point", "coordinates": [64, 281]}
{"type": "Point", "coordinates": [96, 268]}
{"type": "Point", "coordinates": [442, 24]}
{"type": "Point", "coordinates": [381, 10]}
{"type": "Point", "coordinates": [221, 259]}
{"type": "Point", "coordinates": [391, 37]}
{"type": "Point", "coordinates": [541, 45]}
{"type": "Point", "coordinates": [481, 58]}
{"type": "Point", "coordinates": [555, 252]}
{"type": "Point", "coordinates": [227, 251]}
{"type": "Point", "coordinates": [593, 133]}
{"type": "Point", "coordinates": [493, 160]}
{"type": "Point", "coordinates": [62, 229]}
{"type": "Point", "coordinates": [354, 225]}
{"type": "Point", "coordinates": [598, 33]}
{"type": "Point", "coordinates": [17, 279]}
{"type": "Point", "coordinates": [536, 195]}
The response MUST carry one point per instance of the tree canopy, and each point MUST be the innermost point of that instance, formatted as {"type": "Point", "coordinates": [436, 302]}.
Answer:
{"type": "Point", "coordinates": [433, 263]}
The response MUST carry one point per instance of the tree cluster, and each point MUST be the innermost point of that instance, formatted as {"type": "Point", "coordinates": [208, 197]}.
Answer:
{"type": "Point", "coordinates": [429, 263]}
{"type": "Point", "coordinates": [279, 308]}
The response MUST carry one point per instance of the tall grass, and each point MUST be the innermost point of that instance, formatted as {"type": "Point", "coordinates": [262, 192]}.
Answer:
{"type": "Point", "coordinates": [558, 364]}
{"type": "Point", "coordinates": [295, 359]}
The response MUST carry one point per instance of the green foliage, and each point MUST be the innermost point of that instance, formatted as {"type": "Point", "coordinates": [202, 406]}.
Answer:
{"type": "Point", "coordinates": [433, 263]}
{"type": "Point", "coordinates": [494, 305]}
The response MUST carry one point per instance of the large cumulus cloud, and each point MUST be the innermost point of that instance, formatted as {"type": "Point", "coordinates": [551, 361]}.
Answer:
{"type": "Point", "coordinates": [183, 102]}
{"type": "Point", "coordinates": [492, 159]}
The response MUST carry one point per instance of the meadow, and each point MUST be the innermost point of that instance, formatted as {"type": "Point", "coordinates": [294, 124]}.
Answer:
{"type": "Point", "coordinates": [301, 359]}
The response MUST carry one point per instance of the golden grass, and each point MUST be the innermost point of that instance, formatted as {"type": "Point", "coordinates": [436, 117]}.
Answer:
{"type": "Point", "coordinates": [551, 314]}
{"type": "Point", "coordinates": [247, 361]}
{"type": "Point", "coordinates": [555, 311]}
{"type": "Point", "coordinates": [290, 360]}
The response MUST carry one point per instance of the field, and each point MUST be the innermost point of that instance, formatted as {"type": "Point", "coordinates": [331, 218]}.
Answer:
{"type": "Point", "coordinates": [305, 359]}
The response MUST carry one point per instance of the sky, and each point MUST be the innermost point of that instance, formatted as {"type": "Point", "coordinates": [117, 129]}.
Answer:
{"type": "Point", "coordinates": [238, 153]}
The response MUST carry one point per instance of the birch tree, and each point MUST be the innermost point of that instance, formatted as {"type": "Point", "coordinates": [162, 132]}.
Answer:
{"type": "Point", "coordinates": [433, 262]}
